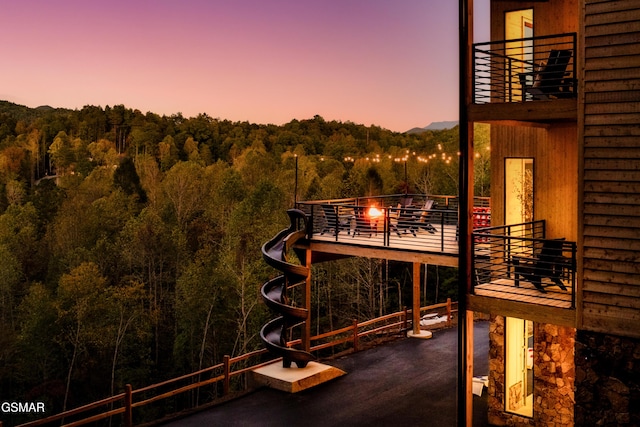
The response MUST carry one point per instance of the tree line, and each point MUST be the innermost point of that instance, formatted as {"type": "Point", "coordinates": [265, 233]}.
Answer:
{"type": "Point", "coordinates": [130, 242]}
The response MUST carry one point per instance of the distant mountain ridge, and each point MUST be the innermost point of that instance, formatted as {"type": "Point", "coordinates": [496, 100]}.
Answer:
{"type": "Point", "coordinates": [435, 126]}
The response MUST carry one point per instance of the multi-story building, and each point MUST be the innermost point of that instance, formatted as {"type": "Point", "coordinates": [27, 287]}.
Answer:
{"type": "Point", "coordinates": [559, 270]}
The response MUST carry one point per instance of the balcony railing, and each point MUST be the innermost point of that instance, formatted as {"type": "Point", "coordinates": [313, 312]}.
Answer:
{"type": "Point", "coordinates": [517, 262]}
{"type": "Point", "coordinates": [535, 68]}
{"type": "Point", "coordinates": [401, 221]}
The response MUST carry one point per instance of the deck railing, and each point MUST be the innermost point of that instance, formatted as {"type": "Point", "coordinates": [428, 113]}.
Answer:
{"type": "Point", "coordinates": [402, 221]}
{"type": "Point", "coordinates": [519, 256]}
{"type": "Point", "coordinates": [220, 382]}
{"type": "Point", "coordinates": [525, 69]}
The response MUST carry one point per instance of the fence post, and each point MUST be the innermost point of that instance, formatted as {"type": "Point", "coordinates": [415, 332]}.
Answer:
{"type": "Point", "coordinates": [405, 325]}
{"type": "Point", "coordinates": [355, 335]}
{"type": "Point", "coordinates": [448, 312]}
{"type": "Point", "coordinates": [226, 361]}
{"type": "Point", "coordinates": [128, 402]}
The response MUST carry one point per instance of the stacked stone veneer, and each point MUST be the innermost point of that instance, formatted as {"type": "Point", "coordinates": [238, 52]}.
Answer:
{"type": "Point", "coordinates": [554, 374]}
{"type": "Point", "coordinates": [607, 380]}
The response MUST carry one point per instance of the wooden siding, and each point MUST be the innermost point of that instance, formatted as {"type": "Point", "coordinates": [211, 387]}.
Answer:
{"type": "Point", "coordinates": [555, 154]}
{"type": "Point", "coordinates": [551, 17]}
{"type": "Point", "coordinates": [610, 170]}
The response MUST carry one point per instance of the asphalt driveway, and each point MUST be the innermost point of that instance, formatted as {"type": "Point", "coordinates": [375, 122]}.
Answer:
{"type": "Point", "coordinates": [410, 382]}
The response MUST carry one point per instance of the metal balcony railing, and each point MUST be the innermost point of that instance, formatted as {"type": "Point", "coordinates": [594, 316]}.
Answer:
{"type": "Point", "coordinates": [517, 262]}
{"type": "Point", "coordinates": [535, 68]}
{"type": "Point", "coordinates": [414, 222]}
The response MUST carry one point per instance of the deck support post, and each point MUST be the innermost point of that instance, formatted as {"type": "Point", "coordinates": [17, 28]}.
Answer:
{"type": "Point", "coordinates": [465, 185]}
{"type": "Point", "coordinates": [416, 332]}
{"type": "Point", "coordinates": [416, 297]}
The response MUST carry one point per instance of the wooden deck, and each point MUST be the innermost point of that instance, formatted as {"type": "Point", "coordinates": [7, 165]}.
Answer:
{"type": "Point", "coordinates": [526, 293]}
{"type": "Point", "coordinates": [501, 295]}
{"type": "Point", "coordinates": [433, 248]}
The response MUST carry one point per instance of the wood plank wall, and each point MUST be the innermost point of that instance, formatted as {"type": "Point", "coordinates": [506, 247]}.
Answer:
{"type": "Point", "coordinates": [610, 144]}
{"type": "Point", "coordinates": [555, 173]}
{"type": "Point", "coordinates": [549, 17]}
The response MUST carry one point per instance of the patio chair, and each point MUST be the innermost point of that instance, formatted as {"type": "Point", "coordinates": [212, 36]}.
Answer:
{"type": "Point", "coordinates": [424, 221]}
{"type": "Point", "coordinates": [406, 201]}
{"type": "Point", "coordinates": [550, 80]}
{"type": "Point", "coordinates": [363, 224]}
{"type": "Point", "coordinates": [333, 222]}
{"type": "Point", "coordinates": [412, 220]}
{"type": "Point", "coordinates": [406, 221]}
{"type": "Point", "coordinates": [548, 263]}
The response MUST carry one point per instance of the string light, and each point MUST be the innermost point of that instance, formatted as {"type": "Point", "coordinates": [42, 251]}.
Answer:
{"type": "Point", "coordinates": [378, 158]}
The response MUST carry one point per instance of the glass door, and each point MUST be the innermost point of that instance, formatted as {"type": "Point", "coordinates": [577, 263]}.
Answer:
{"type": "Point", "coordinates": [519, 366]}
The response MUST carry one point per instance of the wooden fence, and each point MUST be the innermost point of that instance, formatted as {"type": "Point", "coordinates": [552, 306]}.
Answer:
{"type": "Point", "coordinates": [223, 373]}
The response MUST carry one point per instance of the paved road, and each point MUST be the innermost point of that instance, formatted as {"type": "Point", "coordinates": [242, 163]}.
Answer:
{"type": "Point", "coordinates": [410, 382]}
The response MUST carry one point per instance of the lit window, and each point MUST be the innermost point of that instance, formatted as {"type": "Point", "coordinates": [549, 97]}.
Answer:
{"type": "Point", "coordinates": [519, 366]}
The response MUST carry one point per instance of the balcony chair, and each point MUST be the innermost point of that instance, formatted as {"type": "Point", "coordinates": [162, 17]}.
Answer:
{"type": "Point", "coordinates": [406, 201]}
{"type": "Point", "coordinates": [333, 222]}
{"type": "Point", "coordinates": [548, 263]}
{"type": "Point", "coordinates": [424, 221]}
{"type": "Point", "coordinates": [550, 80]}
{"type": "Point", "coordinates": [412, 220]}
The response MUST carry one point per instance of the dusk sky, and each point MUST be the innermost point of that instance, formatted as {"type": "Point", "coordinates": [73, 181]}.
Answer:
{"type": "Point", "coordinates": [391, 63]}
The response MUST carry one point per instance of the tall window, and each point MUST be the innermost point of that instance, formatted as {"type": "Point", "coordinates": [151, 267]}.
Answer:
{"type": "Point", "coordinates": [518, 26]}
{"type": "Point", "coordinates": [519, 366]}
{"type": "Point", "coordinates": [518, 190]}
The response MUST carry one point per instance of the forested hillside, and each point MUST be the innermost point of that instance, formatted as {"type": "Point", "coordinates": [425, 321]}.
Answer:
{"type": "Point", "coordinates": [130, 242]}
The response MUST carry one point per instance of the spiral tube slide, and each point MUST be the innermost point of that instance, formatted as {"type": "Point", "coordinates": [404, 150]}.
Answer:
{"type": "Point", "coordinates": [274, 292]}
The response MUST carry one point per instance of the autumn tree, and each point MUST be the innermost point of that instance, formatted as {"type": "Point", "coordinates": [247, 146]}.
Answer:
{"type": "Point", "coordinates": [126, 178]}
{"type": "Point", "coordinates": [127, 316]}
{"type": "Point", "coordinates": [37, 349]}
{"type": "Point", "coordinates": [81, 316]}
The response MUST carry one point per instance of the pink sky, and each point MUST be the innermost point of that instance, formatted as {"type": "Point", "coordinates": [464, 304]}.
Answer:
{"type": "Point", "coordinates": [383, 62]}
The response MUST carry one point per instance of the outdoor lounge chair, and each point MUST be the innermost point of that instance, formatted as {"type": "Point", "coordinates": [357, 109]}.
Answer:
{"type": "Point", "coordinates": [425, 221]}
{"type": "Point", "coordinates": [412, 220]}
{"type": "Point", "coordinates": [548, 263]}
{"type": "Point", "coordinates": [406, 201]}
{"type": "Point", "coordinates": [551, 79]}
{"type": "Point", "coordinates": [406, 221]}
{"type": "Point", "coordinates": [333, 222]}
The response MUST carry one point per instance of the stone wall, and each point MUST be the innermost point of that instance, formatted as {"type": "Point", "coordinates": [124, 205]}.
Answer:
{"type": "Point", "coordinates": [607, 380]}
{"type": "Point", "coordinates": [554, 373]}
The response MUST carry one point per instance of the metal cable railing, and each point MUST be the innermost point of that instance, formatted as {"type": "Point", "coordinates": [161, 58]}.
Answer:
{"type": "Point", "coordinates": [415, 222]}
{"type": "Point", "coordinates": [518, 70]}
{"type": "Point", "coordinates": [511, 259]}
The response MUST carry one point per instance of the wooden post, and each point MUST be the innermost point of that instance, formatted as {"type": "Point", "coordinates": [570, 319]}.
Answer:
{"type": "Point", "coordinates": [469, 368]}
{"type": "Point", "coordinates": [416, 298]}
{"type": "Point", "coordinates": [465, 209]}
{"type": "Point", "coordinates": [226, 362]}
{"type": "Point", "coordinates": [405, 318]}
{"type": "Point", "coordinates": [128, 403]}
{"type": "Point", "coordinates": [355, 335]}
{"type": "Point", "coordinates": [448, 312]}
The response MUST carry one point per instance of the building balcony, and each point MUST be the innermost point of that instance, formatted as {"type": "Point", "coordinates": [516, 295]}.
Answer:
{"type": "Point", "coordinates": [402, 227]}
{"type": "Point", "coordinates": [530, 79]}
{"type": "Point", "coordinates": [517, 264]}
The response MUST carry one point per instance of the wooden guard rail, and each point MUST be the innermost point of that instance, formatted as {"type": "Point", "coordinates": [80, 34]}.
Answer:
{"type": "Point", "coordinates": [223, 373]}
